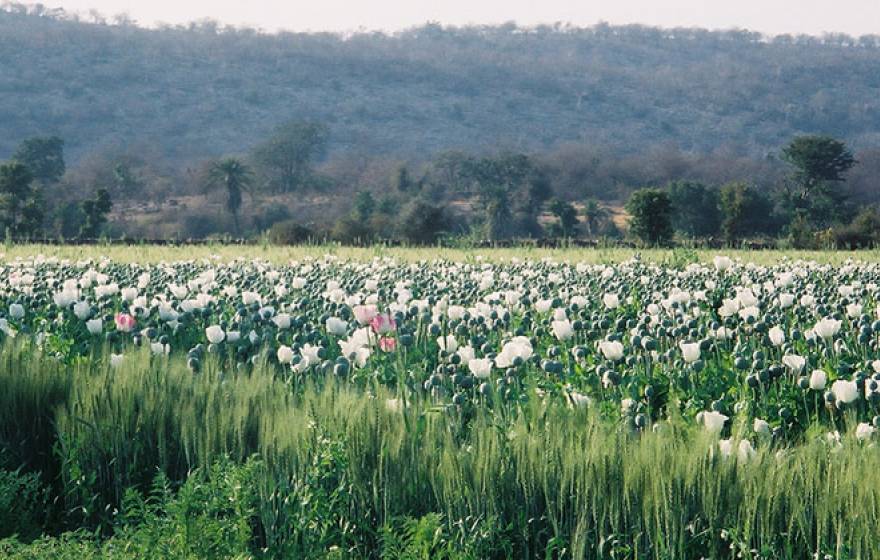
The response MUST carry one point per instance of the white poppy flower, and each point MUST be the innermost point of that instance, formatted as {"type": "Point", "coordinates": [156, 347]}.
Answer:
{"type": "Point", "coordinates": [827, 328]}
{"type": "Point", "coordinates": [690, 351]}
{"type": "Point", "coordinates": [794, 363]}
{"type": "Point", "coordinates": [777, 336]}
{"type": "Point", "coordinates": [336, 326]}
{"type": "Point", "coordinates": [562, 330]}
{"type": "Point", "coordinates": [82, 310]}
{"type": "Point", "coordinates": [215, 334]}
{"type": "Point", "coordinates": [480, 367]}
{"type": "Point", "coordinates": [611, 349]}
{"type": "Point", "coordinates": [284, 354]}
{"type": "Point", "coordinates": [714, 421]}
{"type": "Point", "coordinates": [95, 326]}
{"type": "Point", "coordinates": [845, 391]}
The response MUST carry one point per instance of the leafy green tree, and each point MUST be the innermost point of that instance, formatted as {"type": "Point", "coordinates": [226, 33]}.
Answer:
{"type": "Point", "coordinates": [364, 205]}
{"type": "Point", "coordinates": [451, 169]}
{"type": "Point", "coordinates": [745, 212]}
{"type": "Point", "coordinates": [234, 176]}
{"type": "Point", "coordinates": [567, 216]}
{"type": "Point", "coordinates": [20, 203]}
{"type": "Point", "coordinates": [126, 179]}
{"type": "Point", "coordinates": [95, 212]}
{"type": "Point", "coordinates": [423, 223]}
{"type": "Point", "coordinates": [863, 232]}
{"type": "Point", "coordinates": [694, 209]}
{"type": "Point", "coordinates": [651, 212]}
{"type": "Point", "coordinates": [818, 163]}
{"type": "Point", "coordinates": [287, 156]}
{"type": "Point", "coordinates": [388, 205]}
{"type": "Point", "coordinates": [402, 181]}
{"type": "Point", "coordinates": [44, 156]}
{"type": "Point", "coordinates": [594, 215]}
{"type": "Point", "coordinates": [496, 180]}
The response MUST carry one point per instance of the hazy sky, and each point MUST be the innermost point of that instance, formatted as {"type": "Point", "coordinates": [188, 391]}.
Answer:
{"type": "Point", "coordinates": [855, 17]}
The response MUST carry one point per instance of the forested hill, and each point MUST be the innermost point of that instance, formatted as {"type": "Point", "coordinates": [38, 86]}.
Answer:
{"type": "Point", "coordinates": [205, 90]}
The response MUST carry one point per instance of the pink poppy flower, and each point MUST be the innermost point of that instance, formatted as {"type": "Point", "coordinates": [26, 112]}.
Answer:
{"type": "Point", "coordinates": [383, 324]}
{"type": "Point", "coordinates": [125, 322]}
{"type": "Point", "coordinates": [365, 313]}
{"type": "Point", "coordinates": [387, 344]}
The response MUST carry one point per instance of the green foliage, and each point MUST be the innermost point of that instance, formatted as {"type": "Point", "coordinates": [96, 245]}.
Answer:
{"type": "Point", "coordinates": [235, 177]}
{"type": "Point", "coordinates": [567, 216]}
{"type": "Point", "coordinates": [24, 501]}
{"type": "Point", "coordinates": [364, 205]}
{"type": "Point", "coordinates": [510, 189]}
{"type": "Point", "coordinates": [862, 232]}
{"type": "Point", "coordinates": [818, 161]}
{"type": "Point", "coordinates": [402, 181]}
{"type": "Point", "coordinates": [289, 232]}
{"type": "Point", "coordinates": [651, 215]}
{"type": "Point", "coordinates": [20, 202]}
{"type": "Point", "coordinates": [597, 219]}
{"type": "Point", "coordinates": [44, 157]}
{"type": "Point", "coordinates": [126, 179]}
{"type": "Point", "coordinates": [429, 537]}
{"type": "Point", "coordinates": [746, 212]}
{"type": "Point", "coordinates": [423, 223]}
{"type": "Point", "coordinates": [285, 159]}
{"type": "Point", "coordinates": [94, 212]}
{"type": "Point", "coordinates": [695, 210]}
{"type": "Point", "coordinates": [210, 515]}
{"type": "Point", "coordinates": [336, 463]}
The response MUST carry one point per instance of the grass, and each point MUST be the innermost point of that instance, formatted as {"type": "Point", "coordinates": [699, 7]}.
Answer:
{"type": "Point", "coordinates": [279, 255]}
{"type": "Point", "coordinates": [154, 460]}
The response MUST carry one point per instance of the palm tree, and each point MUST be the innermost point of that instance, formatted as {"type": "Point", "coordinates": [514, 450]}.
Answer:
{"type": "Point", "coordinates": [233, 175]}
{"type": "Point", "coordinates": [594, 215]}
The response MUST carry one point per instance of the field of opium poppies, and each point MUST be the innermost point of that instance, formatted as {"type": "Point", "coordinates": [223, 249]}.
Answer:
{"type": "Point", "coordinates": [392, 406]}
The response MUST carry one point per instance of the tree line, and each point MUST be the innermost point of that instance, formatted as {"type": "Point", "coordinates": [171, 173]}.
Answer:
{"type": "Point", "coordinates": [455, 196]}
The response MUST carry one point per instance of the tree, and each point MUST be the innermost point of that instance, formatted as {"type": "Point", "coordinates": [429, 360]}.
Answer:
{"type": "Point", "coordinates": [594, 214]}
{"type": "Point", "coordinates": [95, 214]}
{"type": "Point", "coordinates": [451, 169]}
{"type": "Point", "coordinates": [234, 176]}
{"type": "Point", "coordinates": [20, 203]}
{"type": "Point", "coordinates": [651, 212]}
{"type": "Point", "coordinates": [364, 205]}
{"type": "Point", "coordinates": [496, 180]}
{"type": "Point", "coordinates": [44, 156]}
{"type": "Point", "coordinates": [402, 180]}
{"type": "Point", "coordinates": [423, 223]}
{"type": "Point", "coordinates": [287, 156]}
{"type": "Point", "coordinates": [694, 209]}
{"type": "Point", "coordinates": [567, 215]}
{"type": "Point", "coordinates": [818, 162]}
{"type": "Point", "coordinates": [127, 181]}
{"type": "Point", "coordinates": [745, 211]}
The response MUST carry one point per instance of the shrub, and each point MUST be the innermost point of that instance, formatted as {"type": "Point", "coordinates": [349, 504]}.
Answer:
{"type": "Point", "coordinates": [423, 223]}
{"type": "Point", "coordinates": [269, 216]}
{"type": "Point", "coordinates": [289, 232]}
{"type": "Point", "coordinates": [351, 230]}
{"type": "Point", "coordinates": [23, 503]}
{"type": "Point", "coordinates": [863, 232]}
{"type": "Point", "coordinates": [651, 211]}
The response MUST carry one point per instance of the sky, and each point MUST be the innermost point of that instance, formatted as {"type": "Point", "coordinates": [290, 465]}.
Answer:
{"type": "Point", "coordinates": [855, 17]}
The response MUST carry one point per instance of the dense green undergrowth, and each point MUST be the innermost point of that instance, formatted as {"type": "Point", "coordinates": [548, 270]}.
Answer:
{"type": "Point", "coordinates": [149, 460]}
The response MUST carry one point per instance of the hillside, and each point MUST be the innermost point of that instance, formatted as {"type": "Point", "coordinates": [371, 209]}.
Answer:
{"type": "Point", "coordinates": [188, 93]}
